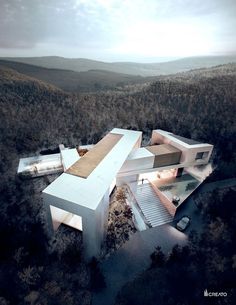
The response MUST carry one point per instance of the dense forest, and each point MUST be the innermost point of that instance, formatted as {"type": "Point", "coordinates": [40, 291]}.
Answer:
{"type": "Point", "coordinates": [199, 104]}
{"type": "Point", "coordinates": [206, 262]}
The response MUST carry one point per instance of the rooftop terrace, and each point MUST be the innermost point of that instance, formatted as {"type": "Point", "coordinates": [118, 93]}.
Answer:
{"type": "Point", "coordinates": [85, 165]}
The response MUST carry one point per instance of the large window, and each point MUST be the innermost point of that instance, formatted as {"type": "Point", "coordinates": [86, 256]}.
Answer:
{"type": "Point", "coordinates": [202, 155]}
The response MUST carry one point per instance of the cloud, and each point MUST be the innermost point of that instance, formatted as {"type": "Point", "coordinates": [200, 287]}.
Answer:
{"type": "Point", "coordinates": [25, 22]}
{"type": "Point", "coordinates": [124, 26]}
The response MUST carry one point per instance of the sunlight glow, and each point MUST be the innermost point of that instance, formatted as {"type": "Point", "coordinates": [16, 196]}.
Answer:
{"type": "Point", "coordinates": [152, 176]}
{"type": "Point", "coordinates": [117, 30]}
{"type": "Point", "coordinates": [165, 39]}
{"type": "Point", "coordinates": [179, 236]}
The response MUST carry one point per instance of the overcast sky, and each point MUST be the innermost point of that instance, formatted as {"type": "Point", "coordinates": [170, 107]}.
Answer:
{"type": "Point", "coordinates": [117, 30]}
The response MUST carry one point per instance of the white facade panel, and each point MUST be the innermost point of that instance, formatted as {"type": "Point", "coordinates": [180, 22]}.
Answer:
{"type": "Point", "coordinates": [137, 164]}
{"type": "Point", "coordinates": [40, 165]}
{"type": "Point", "coordinates": [189, 152]}
{"type": "Point", "coordinates": [69, 157]}
{"type": "Point", "coordinates": [121, 180]}
{"type": "Point", "coordinates": [138, 159]}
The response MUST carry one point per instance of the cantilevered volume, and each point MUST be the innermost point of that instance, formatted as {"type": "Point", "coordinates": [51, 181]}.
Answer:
{"type": "Point", "coordinates": [160, 176]}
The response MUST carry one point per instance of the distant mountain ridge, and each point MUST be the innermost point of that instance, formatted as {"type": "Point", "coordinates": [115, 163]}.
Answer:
{"type": "Point", "coordinates": [72, 81]}
{"type": "Point", "coordinates": [198, 104]}
{"type": "Point", "coordinates": [132, 68]}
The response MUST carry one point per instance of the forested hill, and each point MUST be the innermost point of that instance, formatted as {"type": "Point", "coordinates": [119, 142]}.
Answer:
{"type": "Point", "coordinates": [34, 115]}
{"type": "Point", "coordinates": [10, 78]}
{"type": "Point", "coordinates": [200, 104]}
{"type": "Point", "coordinates": [222, 73]}
{"type": "Point", "coordinates": [25, 104]}
{"type": "Point", "coordinates": [72, 81]}
{"type": "Point", "coordinates": [133, 68]}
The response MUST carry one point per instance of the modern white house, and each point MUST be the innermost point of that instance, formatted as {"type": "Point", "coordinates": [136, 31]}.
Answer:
{"type": "Point", "coordinates": [159, 177]}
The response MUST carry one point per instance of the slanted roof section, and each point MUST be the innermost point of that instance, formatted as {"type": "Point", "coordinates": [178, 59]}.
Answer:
{"type": "Point", "coordinates": [85, 165]}
{"type": "Point", "coordinates": [139, 153]}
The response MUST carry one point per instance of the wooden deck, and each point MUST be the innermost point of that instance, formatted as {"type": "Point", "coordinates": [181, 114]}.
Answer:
{"type": "Point", "coordinates": [165, 154]}
{"type": "Point", "coordinates": [85, 165]}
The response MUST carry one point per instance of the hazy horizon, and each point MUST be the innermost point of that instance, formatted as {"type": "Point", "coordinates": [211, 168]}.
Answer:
{"type": "Point", "coordinates": [112, 30]}
{"type": "Point", "coordinates": [156, 60]}
{"type": "Point", "coordinates": [148, 61]}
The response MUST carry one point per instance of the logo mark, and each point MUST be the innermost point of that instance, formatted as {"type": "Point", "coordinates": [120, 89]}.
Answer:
{"type": "Point", "coordinates": [214, 294]}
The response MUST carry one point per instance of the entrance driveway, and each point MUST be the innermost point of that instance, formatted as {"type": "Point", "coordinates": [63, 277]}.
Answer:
{"type": "Point", "coordinates": [133, 258]}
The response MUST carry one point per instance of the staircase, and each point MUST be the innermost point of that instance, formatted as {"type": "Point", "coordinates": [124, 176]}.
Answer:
{"type": "Point", "coordinates": [153, 210]}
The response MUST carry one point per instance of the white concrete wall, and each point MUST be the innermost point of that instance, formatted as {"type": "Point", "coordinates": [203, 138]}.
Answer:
{"type": "Point", "coordinates": [164, 200]}
{"type": "Point", "coordinates": [138, 143]}
{"type": "Point", "coordinates": [157, 138]}
{"type": "Point", "coordinates": [140, 158]}
{"type": "Point", "coordinates": [89, 198]}
{"type": "Point", "coordinates": [189, 152]}
{"type": "Point", "coordinates": [92, 221]}
{"type": "Point", "coordinates": [137, 164]}
{"type": "Point", "coordinates": [113, 184]}
{"type": "Point", "coordinates": [192, 152]}
{"type": "Point", "coordinates": [58, 216]}
{"type": "Point", "coordinates": [126, 179]}
{"type": "Point", "coordinates": [102, 219]}
{"type": "Point", "coordinates": [69, 157]}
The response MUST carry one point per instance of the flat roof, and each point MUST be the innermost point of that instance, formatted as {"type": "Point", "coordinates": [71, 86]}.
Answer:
{"type": "Point", "coordinates": [86, 164]}
{"type": "Point", "coordinates": [175, 139]}
{"type": "Point", "coordinates": [138, 153]}
{"type": "Point", "coordinates": [185, 140]}
{"type": "Point", "coordinates": [89, 192]}
{"type": "Point", "coordinates": [162, 149]}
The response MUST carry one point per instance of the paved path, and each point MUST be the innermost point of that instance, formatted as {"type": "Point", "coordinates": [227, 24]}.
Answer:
{"type": "Point", "coordinates": [134, 257]}
{"type": "Point", "coordinates": [218, 184]}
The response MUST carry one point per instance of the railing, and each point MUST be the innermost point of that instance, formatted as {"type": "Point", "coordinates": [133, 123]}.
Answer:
{"type": "Point", "coordinates": [164, 200]}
